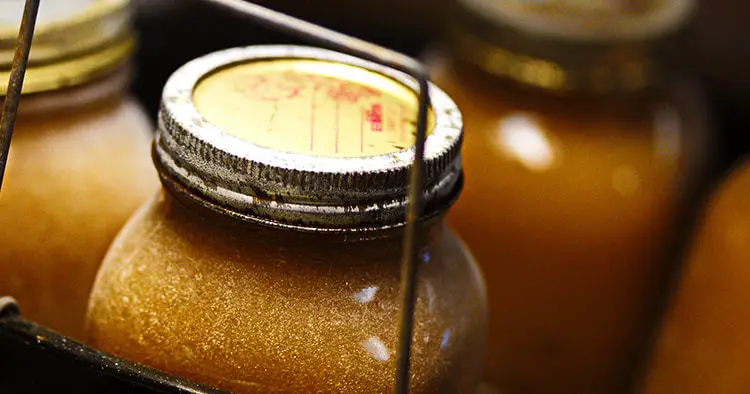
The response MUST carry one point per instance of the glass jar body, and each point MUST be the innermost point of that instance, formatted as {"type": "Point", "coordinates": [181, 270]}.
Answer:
{"type": "Point", "coordinates": [78, 167]}
{"type": "Point", "coordinates": [573, 222]}
{"type": "Point", "coordinates": [702, 346]}
{"type": "Point", "coordinates": [253, 309]}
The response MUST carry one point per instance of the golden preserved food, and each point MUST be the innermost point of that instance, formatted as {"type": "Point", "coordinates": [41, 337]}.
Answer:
{"type": "Point", "coordinates": [578, 153]}
{"type": "Point", "coordinates": [78, 164]}
{"type": "Point", "coordinates": [272, 260]}
{"type": "Point", "coordinates": [703, 346]}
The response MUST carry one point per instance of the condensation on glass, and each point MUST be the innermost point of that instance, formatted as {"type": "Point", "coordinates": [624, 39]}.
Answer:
{"type": "Point", "coordinates": [79, 161]}
{"type": "Point", "coordinates": [583, 139]}
{"type": "Point", "coordinates": [271, 259]}
{"type": "Point", "coordinates": [702, 346]}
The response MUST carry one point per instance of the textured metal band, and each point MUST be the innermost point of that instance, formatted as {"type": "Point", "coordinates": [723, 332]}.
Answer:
{"type": "Point", "coordinates": [295, 189]}
{"type": "Point", "coordinates": [103, 22]}
{"type": "Point", "coordinates": [70, 52]}
{"type": "Point", "coordinates": [663, 17]}
{"type": "Point", "coordinates": [554, 53]}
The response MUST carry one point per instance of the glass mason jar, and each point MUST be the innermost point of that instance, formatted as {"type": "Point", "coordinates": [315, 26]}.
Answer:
{"type": "Point", "coordinates": [271, 261]}
{"type": "Point", "coordinates": [582, 142]}
{"type": "Point", "coordinates": [703, 346]}
{"type": "Point", "coordinates": [79, 160]}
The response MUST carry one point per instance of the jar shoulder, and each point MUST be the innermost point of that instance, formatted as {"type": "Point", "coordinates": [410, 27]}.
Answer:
{"type": "Point", "coordinates": [164, 234]}
{"type": "Point", "coordinates": [729, 202]}
{"type": "Point", "coordinates": [490, 104]}
{"type": "Point", "coordinates": [626, 160]}
{"type": "Point", "coordinates": [702, 344]}
{"type": "Point", "coordinates": [536, 136]}
{"type": "Point", "coordinates": [319, 304]}
{"type": "Point", "coordinates": [723, 234]}
{"type": "Point", "coordinates": [99, 154]}
{"type": "Point", "coordinates": [117, 115]}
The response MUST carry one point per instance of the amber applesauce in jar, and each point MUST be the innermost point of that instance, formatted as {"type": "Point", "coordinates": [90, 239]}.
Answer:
{"type": "Point", "coordinates": [582, 140]}
{"type": "Point", "coordinates": [271, 260]}
{"type": "Point", "coordinates": [703, 346]}
{"type": "Point", "coordinates": [79, 160]}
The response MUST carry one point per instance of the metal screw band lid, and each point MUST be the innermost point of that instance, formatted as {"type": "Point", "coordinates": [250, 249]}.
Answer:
{"type": "Point", "coordinates": [587, 20]}
{"type": "Point", "coordinates": [565, 45]}
{"type": "Point", "coordinates": [74, 42]}
{"type": "Point", "coordinates": [281, 181]}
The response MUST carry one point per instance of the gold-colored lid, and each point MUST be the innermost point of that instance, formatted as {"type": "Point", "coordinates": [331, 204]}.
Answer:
{"type": "Point", "coordinates": [304, 138]}
{"type": "Point", "coordinates": [564, 45]}
{"type": "Point", "coordinates": [75, 41]}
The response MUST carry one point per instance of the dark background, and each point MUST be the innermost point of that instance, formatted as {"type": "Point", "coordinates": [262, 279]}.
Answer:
{"type": "Point", "coordinates": [173, 32]}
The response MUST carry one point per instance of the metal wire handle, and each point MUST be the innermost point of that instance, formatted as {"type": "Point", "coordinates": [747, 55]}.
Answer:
{"type": "Point", "coordinates": [352, 46]}
{"type": "Point", "coordinates": [325, 38]}
{"type": "Point", "coordinates": [15, 83]}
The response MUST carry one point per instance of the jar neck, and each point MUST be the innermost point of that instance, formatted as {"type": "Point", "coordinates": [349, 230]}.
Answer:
{"type": "Point", "coordinates": [69, 101]}
{"type": "Point", "coordinates": [187, 209]}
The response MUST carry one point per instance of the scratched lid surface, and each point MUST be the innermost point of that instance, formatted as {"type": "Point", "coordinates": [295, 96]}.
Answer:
{"type": "Point", "coordinates": [303, 138]}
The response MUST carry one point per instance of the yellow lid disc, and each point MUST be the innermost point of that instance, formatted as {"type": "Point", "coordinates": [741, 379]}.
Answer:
{"type": "Point", "coordinates": [310, 107]}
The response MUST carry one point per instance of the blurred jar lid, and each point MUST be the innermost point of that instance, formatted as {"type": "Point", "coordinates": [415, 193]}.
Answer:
{"type": "Point", "coordinates": [75, 41]}
{"type": "Point", "coordinates": [564, 45]}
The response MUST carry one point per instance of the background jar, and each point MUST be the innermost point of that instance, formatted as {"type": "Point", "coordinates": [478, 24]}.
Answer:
{"type": "Point", "coordinates": [78, 164]}
{"type": "Point", "coordinates": [702, 343]}
{"type": "Point", "coordinates": [584, 141]}
{"type": "Point", "coordinates": [271, 261]}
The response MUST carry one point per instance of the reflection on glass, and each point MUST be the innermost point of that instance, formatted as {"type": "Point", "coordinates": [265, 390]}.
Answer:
{"type": "Point", "coordinates": [376, 349]}
{"type": "Point", "coordinates": [430, 296]}
{"type": "Point", "coordinates": [667, 132]}
{"type": "Point", "coordinates": [426, 256]}
{"type": "Point", "coordinates": [365, 295]}
{"type": "Point", "coordinates": [446, 339]}
{"type": "Point", "coordinates": [522, 137]}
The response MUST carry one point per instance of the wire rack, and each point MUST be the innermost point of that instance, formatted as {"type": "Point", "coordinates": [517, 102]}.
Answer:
{"type": "Point", "coordinates": [131, 377]}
